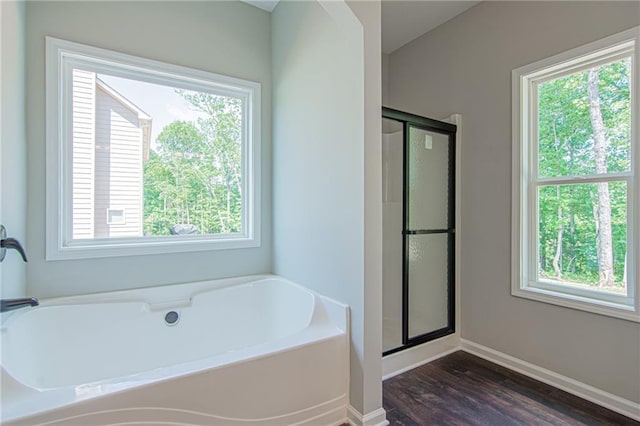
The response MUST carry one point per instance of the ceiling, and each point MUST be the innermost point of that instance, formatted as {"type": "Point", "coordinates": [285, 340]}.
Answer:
{"type": "Point", "coordinates": [403, 20]}
{"type": "Point", "coordinates": [267, 5]}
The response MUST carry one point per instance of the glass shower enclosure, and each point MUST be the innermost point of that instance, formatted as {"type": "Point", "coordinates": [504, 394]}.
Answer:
{"type": "Point", "coordinates": [418, 229]}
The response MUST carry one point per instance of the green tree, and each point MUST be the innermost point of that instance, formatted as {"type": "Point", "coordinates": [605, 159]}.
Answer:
{"type": "Point", "coordinates": [193, 176]}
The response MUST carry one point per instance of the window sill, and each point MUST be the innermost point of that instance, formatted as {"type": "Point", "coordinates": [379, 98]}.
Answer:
{"type": "Point", "coordinates": [610, 309]}
{"type": "Point", "coordinates": [117, 247]}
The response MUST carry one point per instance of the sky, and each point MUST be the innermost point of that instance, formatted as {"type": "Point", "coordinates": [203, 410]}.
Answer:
{"type": "Point", "coordinates": [160, 102]}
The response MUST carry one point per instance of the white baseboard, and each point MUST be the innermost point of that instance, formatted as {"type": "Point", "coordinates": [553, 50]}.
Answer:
{"type": "Point", "coordinates": [408, 359]}
{"type": "Point", "coordinates": [374, 418]}
{"type": "Point", "coordinates": [597, 396]}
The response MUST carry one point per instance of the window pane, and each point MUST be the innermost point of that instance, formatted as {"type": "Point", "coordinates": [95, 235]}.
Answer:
{"type": "Point", "coordinates": [582, 236]}
{"type": "Point", "coordinates": [166, 159]}
{"type": "Point", "coordinates": [584, 122]}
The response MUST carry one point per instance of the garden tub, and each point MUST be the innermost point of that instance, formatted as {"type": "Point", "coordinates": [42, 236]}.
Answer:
{"type": "Point", "coordinates": [249, 350]}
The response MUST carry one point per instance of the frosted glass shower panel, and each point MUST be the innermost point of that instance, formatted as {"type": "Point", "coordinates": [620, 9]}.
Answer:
{"type": "Point", "coordinates": [428, 179]}
{"type": "Point", "coordinates": [392, 146]}
{"type": "Point", "coordinates": [428, 288]}
{"type": "Point", "coordinates": [392, 149]}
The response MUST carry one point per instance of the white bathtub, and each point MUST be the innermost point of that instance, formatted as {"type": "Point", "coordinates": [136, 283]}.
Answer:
{"type": "Point", "coordinates": [250, 350]}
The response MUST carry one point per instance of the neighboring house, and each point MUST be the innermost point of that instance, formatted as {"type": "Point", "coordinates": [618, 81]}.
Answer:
{"type": "Point", "coordinates": [111, 139]}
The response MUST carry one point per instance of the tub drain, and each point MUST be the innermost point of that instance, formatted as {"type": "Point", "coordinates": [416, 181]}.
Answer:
{"type": "Point", "coordinates": [171, 318]}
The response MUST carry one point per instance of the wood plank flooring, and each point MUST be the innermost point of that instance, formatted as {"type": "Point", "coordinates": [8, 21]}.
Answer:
{"type": "Point", "coordinates": [462, 389]}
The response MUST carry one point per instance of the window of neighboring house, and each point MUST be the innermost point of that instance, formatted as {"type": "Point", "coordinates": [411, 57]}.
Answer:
{"type": "Point", "coordinates": [575, 178]}
{"type": "Point", "coordinates": [115, 217]}
{"type": "Point", "coordinates": [176, 149]}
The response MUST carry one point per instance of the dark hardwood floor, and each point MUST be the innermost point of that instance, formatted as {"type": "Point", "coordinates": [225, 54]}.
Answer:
{"type": "Point", "coordinates": [462, 389]}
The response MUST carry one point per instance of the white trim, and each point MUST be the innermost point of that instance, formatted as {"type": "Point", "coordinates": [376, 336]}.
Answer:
{"type": "Point", "coordinates": [374, 418]}
{"type": "Point", "coordinates": [567, 180]}
{"type": "Point", "coordinates": [587, 53]}
{"type": "Point", "coordinates": [525, 181]}
{"type": "Point", "coordinates": [597, 396]}
{"type": "Point", "coordinates": [60, 55]}
{"type": "Point", "coordinates": [569, 300]}
{"type": "Point", "coordinates": [408, 359]}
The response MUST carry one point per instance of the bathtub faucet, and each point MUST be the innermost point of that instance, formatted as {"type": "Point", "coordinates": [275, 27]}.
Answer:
{"type": "Point", "coordinates": [11, 304]}
{"type": "Point", "coordinates": [9, 243]}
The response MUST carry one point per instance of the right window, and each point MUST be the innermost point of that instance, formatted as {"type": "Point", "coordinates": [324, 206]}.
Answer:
{"type": "Point", "coordinates": [575, 182]}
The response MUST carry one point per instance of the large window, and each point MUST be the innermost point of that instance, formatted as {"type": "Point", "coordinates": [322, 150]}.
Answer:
{"type": "Point", "coordinates": [146, 157]}
{"type": "Point", "coordinates": [575, 208]}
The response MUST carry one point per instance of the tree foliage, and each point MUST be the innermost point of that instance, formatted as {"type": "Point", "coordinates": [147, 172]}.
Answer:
{"type": "Point", "coordinates": [568, 214]}
{"type": "Point", "coordinates": [193, 175]}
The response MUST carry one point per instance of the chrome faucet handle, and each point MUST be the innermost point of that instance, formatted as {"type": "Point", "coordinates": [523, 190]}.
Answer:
{"type": "Point", "coordinates": [9, 243]}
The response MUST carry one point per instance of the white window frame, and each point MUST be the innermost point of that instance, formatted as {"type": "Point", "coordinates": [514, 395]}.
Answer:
{"type": "Point", "coordinates": [524, 282]}
{"type": "Point", "coordinates": [61, 56]}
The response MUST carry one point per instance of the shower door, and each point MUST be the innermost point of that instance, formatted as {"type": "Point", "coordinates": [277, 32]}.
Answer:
{"type": "Point", "coordinates": [428, 229]}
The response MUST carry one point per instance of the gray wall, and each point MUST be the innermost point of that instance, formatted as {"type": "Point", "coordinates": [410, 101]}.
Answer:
{"type": "Point", "coordinates": [464, 67]}
{"type": "Point", "coordinates": [13, 157]}
{"type": "Point", "coordinates": [319, 166]}
{"type": "Point", "coordinates": [385, 78]}
{"type": "Point", "coordinates": [318, 172]}
{"type": "Point", "coordinates": [229, 38]}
